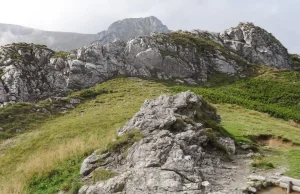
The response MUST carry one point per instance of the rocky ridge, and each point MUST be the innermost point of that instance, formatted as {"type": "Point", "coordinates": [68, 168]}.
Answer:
{"type": "Point", "coordinates": [30, 72]}
{"type": "Point", "coordinates": [177, 154]}
{"type": "Point", "coordinates": [129, 28]}
{"type": "Point", "coordinates": [121, 30]}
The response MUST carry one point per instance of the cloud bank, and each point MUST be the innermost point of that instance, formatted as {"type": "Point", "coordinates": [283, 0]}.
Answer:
{"type": "Point", "coordinates": [92, 16]}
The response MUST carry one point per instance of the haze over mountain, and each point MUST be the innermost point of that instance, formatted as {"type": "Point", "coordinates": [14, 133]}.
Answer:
{"type": "Point", "coordinates": [119, 30]}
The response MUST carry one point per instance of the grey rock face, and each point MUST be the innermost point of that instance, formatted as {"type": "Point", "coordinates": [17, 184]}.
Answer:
{"type": "Point", "coordinates": [175, 156]}
{"type": "Point", "coordinates": [256, 45]}
{"type": "Point", "coordinates": [30, 72]}
{"type": "Point", "coordinates": [132, 27]}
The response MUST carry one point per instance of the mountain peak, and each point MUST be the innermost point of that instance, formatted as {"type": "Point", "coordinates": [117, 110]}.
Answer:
{"type": "Point", "coordinates": [129, 28]}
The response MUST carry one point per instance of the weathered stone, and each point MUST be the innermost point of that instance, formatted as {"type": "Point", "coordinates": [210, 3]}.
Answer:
{"type": "Point", "coordinates": [256, 178]}
{"type": "Point", "coordinates": [172, 157]}
{"type": "Point", "coordinates": [256, 45]}
{"type": "Point", "coordinates": [32, 72]}
{"type": "Point", "coordinates": [75, 101]}
{"type": "Point", "coordinates": [89, 164]}
{"type": "Point", "coordinates": [228, 143]}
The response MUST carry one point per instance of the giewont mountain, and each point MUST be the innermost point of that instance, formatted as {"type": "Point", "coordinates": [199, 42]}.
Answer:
{"type": "Point", "coordinates": [121, 30]}
{"type": "Point", "coordinates": [30, 72]}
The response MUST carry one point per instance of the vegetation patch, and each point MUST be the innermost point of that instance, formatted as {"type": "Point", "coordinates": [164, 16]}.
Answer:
{"type": "Point", "coordinates": [61, 54]}
{"type": "Point", "coordinates": [262, 164]}
{"type": "Point", "coordinates": [92, 125]}
{"type": "Point", "coordinates": [213, 139]}
{"type": "Point", "coordinates": [123, 142]}
{"type": "Point", "coordinates": [102, 175]}
{"type": "Point", "coordinates": [295, 60]}
{"type": "Point", "coordinates": [89, 93]}
{"type": "Point", "coordinates": [21, 116]}
{"type": "Point", "coordinates": [65, 177]}
{"type": "Point", "coordinates": [274, 92]}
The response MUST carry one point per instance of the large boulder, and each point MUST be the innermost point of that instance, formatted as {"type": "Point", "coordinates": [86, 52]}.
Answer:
{"type": "Point", "coordinates": [178, 154]}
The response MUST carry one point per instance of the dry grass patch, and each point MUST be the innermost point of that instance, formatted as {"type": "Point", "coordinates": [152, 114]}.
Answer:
{"type": "Point", "coordinates": [72, 135]}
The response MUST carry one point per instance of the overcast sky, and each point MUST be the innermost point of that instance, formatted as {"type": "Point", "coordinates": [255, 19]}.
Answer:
{"type": "Point", "coordinates": [279, 17]}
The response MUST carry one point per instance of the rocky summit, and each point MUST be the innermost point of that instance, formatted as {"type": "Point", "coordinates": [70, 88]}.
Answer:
{"type": "Point", "coordinates": [121, 30]}
{"type": "Point", "coordinates": [30, 72]}
{"type": "Point", "coordinates": [165, 148]}
{"type": "Point", "coordinates": [129, 28]}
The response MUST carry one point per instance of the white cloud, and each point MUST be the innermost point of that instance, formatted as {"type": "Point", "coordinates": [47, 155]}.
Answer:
{"type": "Point", "coordinates": [91, 16]}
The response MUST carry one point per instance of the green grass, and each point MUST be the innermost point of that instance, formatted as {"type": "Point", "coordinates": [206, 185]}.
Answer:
{"type": "Point", "coordinates": [40, 156]}
{"type": "Point", "coordinates": [64, 177]}
{"type": "Point", "coordinates": [92, 125]}
{"type": "Point", "coordinates": [123, 142]}
{"type": "Point", "coordinates": [295, 60]}
{"type": "Point", "coordinates": [102, 175]}
{"type": "Point", "coordinates": [242, 123]}
{"type": "Point", "coordinates": [61, 54]}
{"type": "Point", "coordinates": [274, 92]}
{"type": "Point", "coordinates": [23, 116]}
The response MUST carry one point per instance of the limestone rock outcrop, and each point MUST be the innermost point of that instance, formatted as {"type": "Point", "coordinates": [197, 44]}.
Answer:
{"type": "Point", "coordinates": [30, 72]}
{"type": "Point", "coordinates": [253, 43]}
{"type": "Point", "coordinates": [256, 45]}
{"type": "Point", "coordinates": [129, 28]}
{"type": "Point", "coordinates": [178, 153]}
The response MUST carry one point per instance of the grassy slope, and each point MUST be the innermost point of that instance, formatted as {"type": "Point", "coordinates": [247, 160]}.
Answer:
{"type": "Point", "coordinates": [43, 150]}
{"type": "Point", "coordinates": [47, 158]}
{"type": "Point", "coordinates": [276, 92]}
{"type": "Point", "coordinates": [243, 122]}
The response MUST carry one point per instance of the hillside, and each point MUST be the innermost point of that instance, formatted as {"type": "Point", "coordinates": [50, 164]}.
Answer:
{"type": "Point", "coordinates": [44, 151]}
{"type": "Point", "coordinates": [90, 120]}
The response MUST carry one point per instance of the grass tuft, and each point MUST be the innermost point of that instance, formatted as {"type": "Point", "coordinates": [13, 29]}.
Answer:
{"type": "Point", "coordinates": [102, 175]}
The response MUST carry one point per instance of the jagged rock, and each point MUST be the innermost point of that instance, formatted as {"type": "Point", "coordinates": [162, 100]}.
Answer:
{"type": "Point", "coordinates": [32, 72]}
{"type": "Point", "coordinates": [228, 143]}
{"type": "Point", "coordinates": [121, 30]}
{"type": "Point", "coordinates": [89, 164]}
{"type": "Point", "coordinates": [132, 27]}
{"type": "Point", "coordinates": [173, 157]}
{"type": "Point", "coordinates": [256, 45]}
